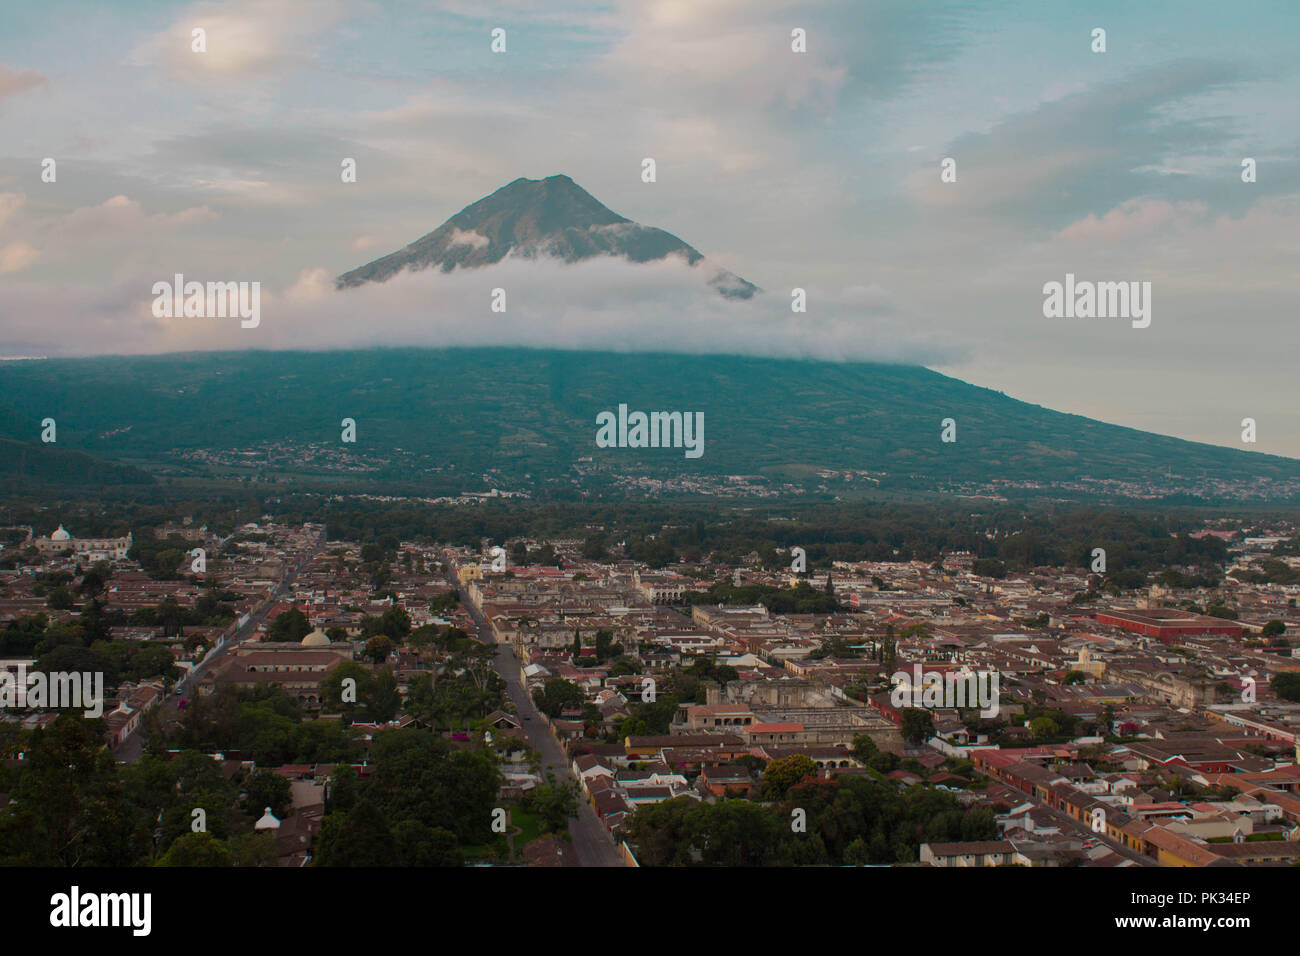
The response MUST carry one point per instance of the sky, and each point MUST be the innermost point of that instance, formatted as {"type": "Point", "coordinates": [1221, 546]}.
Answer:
{"type": "Point", "coordinates": [818, 170]}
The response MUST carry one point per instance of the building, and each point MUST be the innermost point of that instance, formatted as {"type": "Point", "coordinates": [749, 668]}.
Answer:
{"type": "Point", "coordinates": [298, 668]}
{"type": "Point", "coordinates": [1166, 624]}
{"type": "Point", "coordinates": [62, 544]}
{"type": "Point", "coordinates": [973, 853]}
{"type": "Point", "coordinates": [717, 718]}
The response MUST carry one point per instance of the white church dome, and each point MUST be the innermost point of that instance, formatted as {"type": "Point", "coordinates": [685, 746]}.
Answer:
{"type": "Point", "coordinates": [268, 822]}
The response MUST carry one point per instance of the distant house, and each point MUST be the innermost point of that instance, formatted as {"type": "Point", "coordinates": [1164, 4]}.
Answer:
{"type": "Point", "coordinates": [775, 733]}
{"type": "Point", "coordinates": [995, 853]}
{"type": "Point", "coordinates": [607, 801]}
{"type": "Point", "coordinates": [500, 720]}
{"type": "Point", "coordinates": [905, 778]}
{"type": "Point", "coordinates": [568, 728]}
{"type": "Point", "coordinates": [589, 766]}
{"type": "Point", "coordinates": [973, 853]}
{"type": "Point", "coordinates": [727, 780]}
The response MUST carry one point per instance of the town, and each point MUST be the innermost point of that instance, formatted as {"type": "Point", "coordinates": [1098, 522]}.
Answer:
{"type": "Point", "coordinates": [298, 698]}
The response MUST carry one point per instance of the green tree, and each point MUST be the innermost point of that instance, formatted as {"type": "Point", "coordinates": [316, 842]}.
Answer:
{"type": "Point", "coordinates": [420, 845]}
{"type": "Point", "coordinates": [918, 725]}
{"type": "Point", "coordinates": [60, 599]}
{"type": "Point", "coordinates": [1044, 727]}
{"type": "Point", "coordinates": [265, 788]}
{"type": "Point", "coordinates": [252, 849]}
{"type": "Point", "coordinates": [395, 622]}
{"type": "Point", "coordinates": [554, 804]}
{"type": "Point", "coordinates": [415, 775]}
{"type": "Point", "coordinates": [344, 789]}
{"type": "Point", "coordinates": [378, 648]}
{"type": "Point", "coordinates": [784, 773]}
{"type": "Point", "coordinates": [197, 849]}
{"type": "Point", "coordinates": [384, 700]}
{"type": "Point", "coordinates": [359, 837]}
{"type": "Point", "coordinates": [71, 806]}
{"type": "Point", "coordinates": [741, 833]}
{"type": "Point", "coordinates": [557, 694]}
{"type": "Point", "coordinates": [289, 626]}
{"type": "Point", "coordinates": [864, 748]}
{"type": "Point", "coordinates": [332, 687]}
{"type": "Point", "coordinates": [1287, 686]}
{"type": "Point", "coordinates": [856, 853]}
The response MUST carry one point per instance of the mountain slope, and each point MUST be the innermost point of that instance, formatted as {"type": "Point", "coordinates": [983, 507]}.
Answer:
{"type": "Point", "coordinates": [32, 467]}
{"type": "Point", "coordinates": [530, 218]}
{"type": "Point", "coordinates": [527, 418]}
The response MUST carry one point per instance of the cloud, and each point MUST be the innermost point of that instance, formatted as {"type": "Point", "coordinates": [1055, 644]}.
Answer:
{"type": "Point", "coordinates": [1066, 158]}
{"type": "Point", "coordinates": [731, 53]}
{"type": "Point", "coordinates": [604, 304]}
{"type": "Point", "coordinates": [1184, 248]}
{"type": "Point", "coordinates": [1132, 219]}
{"type": "Point", "coordinates": [13, 82]}
{"type": "Point", "coordinates": [87, 243]}
{"type": "Point", "coordinates": [9, 204]}
{"type": "Point", "coordinates": [16, 256]}
{"type": "Point", "coordinates": [243, 40]}
{"type": "Point", "coordinates": [461, 237]}
{"type": "Point", "coordinates": [119, 216]}
{"type": "Point", "coordinates": [735, 56]}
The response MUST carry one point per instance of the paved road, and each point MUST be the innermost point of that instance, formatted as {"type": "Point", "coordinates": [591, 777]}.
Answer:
{"type": "Point", "coordinates": [131, 749]}
{"type": "Point", "coordinates": [591, 841]}
{"type": "Point", "coordinates": [594, 845]}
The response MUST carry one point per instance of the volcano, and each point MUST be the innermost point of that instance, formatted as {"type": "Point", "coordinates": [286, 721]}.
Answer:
{"type": "Point", "coordinates": [541, 218]}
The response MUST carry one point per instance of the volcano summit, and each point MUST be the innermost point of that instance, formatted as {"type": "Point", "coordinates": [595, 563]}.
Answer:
{"type": "Point", "coordinates": [541, 218]}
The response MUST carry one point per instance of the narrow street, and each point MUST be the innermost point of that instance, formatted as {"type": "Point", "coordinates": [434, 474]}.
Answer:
{"type": "Point", "coordinates": [591, 841]}
{"type": "Point", "coordinates": [130, 750]}
{"type": "Point", "coordinates": [594, 845]}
